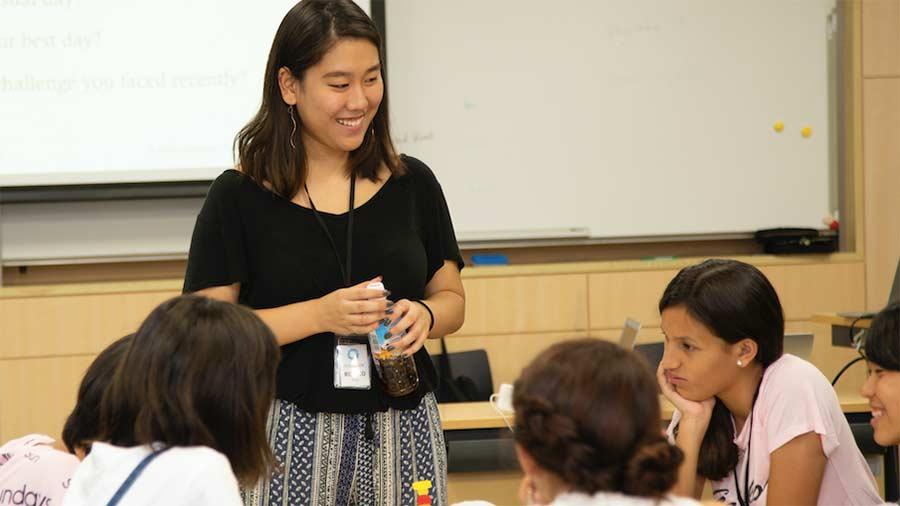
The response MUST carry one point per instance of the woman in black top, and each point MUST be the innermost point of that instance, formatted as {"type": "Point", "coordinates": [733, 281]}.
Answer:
{"type": "Point", "coordinates": [320, 207]}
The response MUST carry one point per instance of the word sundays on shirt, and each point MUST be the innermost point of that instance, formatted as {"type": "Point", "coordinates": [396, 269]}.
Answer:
{"type": "Point", "coordinates": [24, 497]}
{"type": "Point", "coordinates": [756, 490]}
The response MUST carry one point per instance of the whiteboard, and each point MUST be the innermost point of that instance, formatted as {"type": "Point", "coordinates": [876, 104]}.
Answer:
{"type": "Point", "coordinates": [622, 117]}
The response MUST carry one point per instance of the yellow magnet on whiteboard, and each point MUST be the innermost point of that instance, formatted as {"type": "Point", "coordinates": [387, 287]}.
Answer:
{"type": "Point", "coordinates": [806, 132]}
{"type": "Point", "coordinates": [779, 126]}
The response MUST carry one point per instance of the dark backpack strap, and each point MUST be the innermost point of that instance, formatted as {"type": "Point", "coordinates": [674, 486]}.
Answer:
{"type": "Point", "coordinates": [123, 489]}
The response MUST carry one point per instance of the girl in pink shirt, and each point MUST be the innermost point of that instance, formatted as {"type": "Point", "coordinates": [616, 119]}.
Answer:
{"type": "Point", "coordinates": [764, 427]}
{"type": "Point", "coordinates": [32, 472]}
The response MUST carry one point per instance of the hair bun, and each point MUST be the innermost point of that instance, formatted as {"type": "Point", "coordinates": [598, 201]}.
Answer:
{"type": "Point", "coordinates": [652, 470]}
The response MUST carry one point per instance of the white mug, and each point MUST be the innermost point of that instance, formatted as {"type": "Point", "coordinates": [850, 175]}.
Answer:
{"type": "Point", "coordinates": [505, 397]}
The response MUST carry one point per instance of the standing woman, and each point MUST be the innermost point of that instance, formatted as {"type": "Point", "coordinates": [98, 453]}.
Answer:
{"type": "Point", "coordinates": [320, 206]}
{"type": "Point", "coordinates": [763, 426]}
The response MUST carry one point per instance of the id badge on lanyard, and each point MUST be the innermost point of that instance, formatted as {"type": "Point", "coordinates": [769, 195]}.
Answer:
{"type": "Point", "coordinates": [351, 364]}
{"type": "Point", "coordinates": [351, 355]}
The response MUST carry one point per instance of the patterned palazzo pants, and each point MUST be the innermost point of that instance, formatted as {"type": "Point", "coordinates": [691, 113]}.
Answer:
{"type": "Point", "coordinates": [332, 459]}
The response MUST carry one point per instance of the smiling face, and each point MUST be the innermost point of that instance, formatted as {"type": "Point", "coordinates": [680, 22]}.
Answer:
{"type": "Point", "coordinates": [697, 363]}
{"type": "Point", "coordinates": [882, 388]}
{"type": "Point", "coordinates": [337, 98]}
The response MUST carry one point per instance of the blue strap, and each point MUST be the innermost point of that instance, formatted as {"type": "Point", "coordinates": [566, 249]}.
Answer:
{"type": "Point", "coordinates": [133, 476]}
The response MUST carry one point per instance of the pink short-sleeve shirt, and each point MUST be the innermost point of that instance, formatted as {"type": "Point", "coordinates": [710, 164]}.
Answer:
{"type": "Point", "coordinates": [33, 472]}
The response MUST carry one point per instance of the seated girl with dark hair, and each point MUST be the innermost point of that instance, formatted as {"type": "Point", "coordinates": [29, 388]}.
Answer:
{"type": "Point", "coordinates": [587, 429]}
{"type": "Point", "coordinates": [183, 421]}
{"type": "Point", "coordinates": [763, 426]}
{"type": "Point", "coordinates": [882, 386]}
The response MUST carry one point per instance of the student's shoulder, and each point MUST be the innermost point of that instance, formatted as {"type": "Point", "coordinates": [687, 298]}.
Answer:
{"type": "Point", "coordinates": [31, 440]}
{"type": "Point", "coordinates": [197, 463]}
{"type": "Point", "coordinates": [791, 376]}
{"type": "Point", "coordinates": [42, 446]}
{"type": "Point", "coordinates": [199, 456]}
{"type": "Point", "coordinates": [211, 473]}
{"type": "Point", "coordinates": [792, 369]}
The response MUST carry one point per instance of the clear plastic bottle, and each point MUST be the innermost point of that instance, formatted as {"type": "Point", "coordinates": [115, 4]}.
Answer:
{"type": "Point", "coordinates": [397, 372]}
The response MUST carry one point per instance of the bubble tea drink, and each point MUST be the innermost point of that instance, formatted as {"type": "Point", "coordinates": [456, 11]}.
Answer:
{"type": "Point", "coordinates": [397, 372]}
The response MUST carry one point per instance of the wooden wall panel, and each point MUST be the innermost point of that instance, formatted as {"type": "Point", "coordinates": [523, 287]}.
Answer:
{"type": "Point", "coordinates": [504, 305]}
{"type": "Point", "coordinates": [37, 394]}
{"type": "Point", "coordinates": [82, 324]}
{"type": "Point", "coordinates": [617, 295]}
{"type": "Point", "coordinates": [816, 288]}
{"type": "Point", "coordinates": [803, 289]}
{"type": "Point", "coordinates": [881, 38]}
{"type": "Point", "coordinates": [881, 146]}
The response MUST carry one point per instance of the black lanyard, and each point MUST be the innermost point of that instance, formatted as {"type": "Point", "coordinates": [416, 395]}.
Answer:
{"type": "Point", "coordinates": [345, 272]}
{"type": "Point", "coordinates": [745, 501]}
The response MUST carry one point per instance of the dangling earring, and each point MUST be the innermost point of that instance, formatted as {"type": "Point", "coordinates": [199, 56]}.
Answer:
{"type": "Point", "coordinates": [293, 125]}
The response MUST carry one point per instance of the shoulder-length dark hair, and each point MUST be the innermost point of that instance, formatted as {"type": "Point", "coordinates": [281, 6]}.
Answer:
{"type": "Point", "coordinates": [587, 410]}
{"type": "Point", "coordinates": [306, 33]}
{"type": "Point", "coordinates": [81, 427]}
{"type": "Point", "coordinates": [735, 301]}
{"type": "Point", "coordinates": [198, 372]}
{"type": "Point", "coordinates": [883, 338]}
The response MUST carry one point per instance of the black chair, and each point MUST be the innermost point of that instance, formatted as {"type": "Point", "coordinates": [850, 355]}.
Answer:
{"type": "Point", "coordinates": [463, 376]}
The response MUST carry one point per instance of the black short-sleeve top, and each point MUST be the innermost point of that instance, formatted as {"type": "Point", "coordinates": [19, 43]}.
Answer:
{"type": "Point", "coordinates": [281, 255]}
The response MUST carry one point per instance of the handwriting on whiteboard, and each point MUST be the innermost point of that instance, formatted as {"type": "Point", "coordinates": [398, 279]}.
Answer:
{"type": "Point", "coordinates": [414, 137]}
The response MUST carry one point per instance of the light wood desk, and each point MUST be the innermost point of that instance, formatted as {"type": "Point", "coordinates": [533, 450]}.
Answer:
{"type": "Point", "coordinates": [481, 415]}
